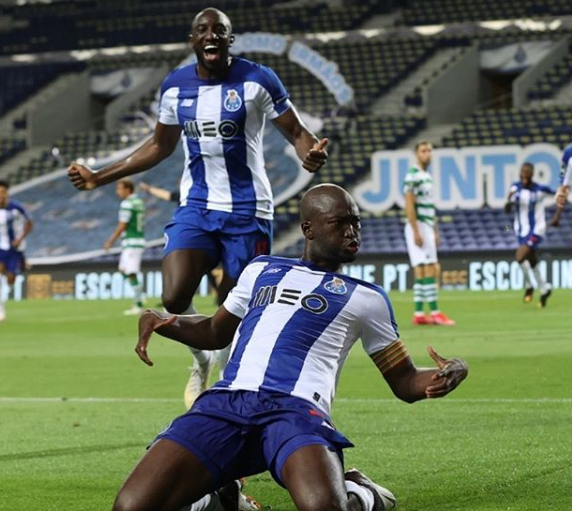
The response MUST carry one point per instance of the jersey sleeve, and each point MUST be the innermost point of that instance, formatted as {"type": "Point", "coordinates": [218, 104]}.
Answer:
{"type": "Point", "coordinates": [125, 211]}
{"type": "Point", "coordinates": [567, 175]}
{"type": "Point", "coordinates": [409, 184]}
{"type": "Point", "coordinates": [168, 102]}
{"type": "Point", "coordinates": [272, 99]}
{"type": "Point", "coordinates": [238, 299]}
{"type": "Point", "coordinates": [21, 210]}
{"type": "Point", "coordinates": [547, 190]}
{"type": "Point", "coordinates": [379, 328]}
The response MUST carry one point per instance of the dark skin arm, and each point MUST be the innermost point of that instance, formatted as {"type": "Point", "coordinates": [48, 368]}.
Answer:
{"type": "Point", "coordinates": [197, 331]}
{"type": "Point", "coordinates": [411, 384]}
{"type": "Point", "coordinates": [508, 203]}
{"type": "Point", "coordinates": [309, 149]}
{"type": "Point", "coordinates": [156, 149]}
{"type": "Point", "coordinates": [555, 222]}
{"type": "Point", "coordinates": [27, 230]}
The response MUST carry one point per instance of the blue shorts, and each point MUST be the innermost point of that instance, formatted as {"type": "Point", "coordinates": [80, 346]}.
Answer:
{"type": "Point", "coordinates": [532, 240]}
{"type": "Point", "coordinates": [12, 260]}
{"type": "Point", "coordinates": [241, 433]}
{"type": "Point", "coordinates": [230, 239]}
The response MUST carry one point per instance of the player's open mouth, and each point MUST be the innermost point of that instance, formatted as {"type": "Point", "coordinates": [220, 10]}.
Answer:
{"type": "Point", "coordinates": [211, 52]}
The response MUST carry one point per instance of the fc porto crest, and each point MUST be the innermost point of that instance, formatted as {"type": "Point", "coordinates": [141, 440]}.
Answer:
{"type": "Point", "coordinates": [232, 102]}
{"type": "Point", "coordinates": [337, 286]}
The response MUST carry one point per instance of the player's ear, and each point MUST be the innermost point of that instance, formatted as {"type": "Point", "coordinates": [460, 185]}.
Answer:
{"type": "Point", "coordinates": [307, 231]}
{"type": "Point", "coordinates": [230, 40]}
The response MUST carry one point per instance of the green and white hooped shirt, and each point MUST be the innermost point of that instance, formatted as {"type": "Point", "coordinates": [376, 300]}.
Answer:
{"type": "Point", "coordinates": [132, 212]}
{"type": "Point", "coordinates": [420, 183]}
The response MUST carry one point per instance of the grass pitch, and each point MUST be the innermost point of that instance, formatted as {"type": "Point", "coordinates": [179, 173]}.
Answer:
{"type": "Point", "coordinates": [77, 407]}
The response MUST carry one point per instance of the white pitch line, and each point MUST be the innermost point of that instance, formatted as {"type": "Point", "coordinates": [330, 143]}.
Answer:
{"type": "Point", "coordinates": [345, 400]}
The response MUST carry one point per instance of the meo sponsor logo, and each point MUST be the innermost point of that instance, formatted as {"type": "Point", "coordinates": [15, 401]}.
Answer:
{"type": "Point", "coordinates": [199, 129]}
{"type": "Point", "coordinates": [313, 302]}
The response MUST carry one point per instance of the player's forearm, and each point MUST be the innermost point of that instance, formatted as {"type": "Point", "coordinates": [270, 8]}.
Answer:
{"type": "Point", "coordinates": [410, 212]}
{"type": "Point", "coordinates": [195, 331]}
{"type": "Point", "coordinates": [144, 158]}
{"type": "Point", "coordinates": [303, 141]}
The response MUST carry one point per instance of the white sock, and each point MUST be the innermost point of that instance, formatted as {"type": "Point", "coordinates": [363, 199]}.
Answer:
{"type": "Point", "coordinates": [138, 293]}
{"type": "Point", "coordinates": [526, 270]}
{"type": "Point", "coordinates": [190, 310]}
{"type": "Point", "coordinates": [209, 502]}
{"type": "Point", "coordinates": [223, 356]}
{"type": "Point", "coordinates": [201, 356]}
{"type": "Point", "coordinates": [362, 493]}
{"type": "Point", "coordinates": [539, 280]}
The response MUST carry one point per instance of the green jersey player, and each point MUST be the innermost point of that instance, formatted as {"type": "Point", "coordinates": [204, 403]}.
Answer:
{"type": "Point", "coordinates": [422, 237]}
{"type": "Point", "coordinates": [131, 226]}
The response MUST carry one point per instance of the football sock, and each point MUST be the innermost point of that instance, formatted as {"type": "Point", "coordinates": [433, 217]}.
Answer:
{"type": "Point", "coordinates": [137, 290]}
{"type": "Point", "coordinates": [201, 356]}
{"type": "Point", "coordinates": [189, 310]}
{"type": "Point", "coordinates": [431, 293]}
{"type": "Point", "coordinates": [223, 356]}
{"type": "Point", "coordinates": [209, 502]}
{"type": "Point", "coordinates": [418, 296]}
{"type": "Point", "coordinates": [539, 280]}
{"type": "Point", "coordinates": [3, 286]}
{"type": "Point", "coordinates": [526, 270]}
{"type": "Point", "coordinates": [363, 494]}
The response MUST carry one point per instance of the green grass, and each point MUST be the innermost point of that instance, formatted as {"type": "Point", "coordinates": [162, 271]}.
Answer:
{"type": "Point", "coordinates": [500, 442]}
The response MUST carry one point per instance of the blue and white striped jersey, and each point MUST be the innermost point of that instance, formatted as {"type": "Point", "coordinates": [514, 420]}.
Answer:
{"type": "Point", "coordinates": [530, 211]}
{"type": "Point", "coordinates": [298, 325]}
{"type": "Point", "coordinates": [12, 221]}
{"type": "Point", "coordinates": [223, 124]}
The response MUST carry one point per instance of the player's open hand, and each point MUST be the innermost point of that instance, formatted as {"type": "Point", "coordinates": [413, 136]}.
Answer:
{"type": "Point", "coordinates": [451, 373]}
{"type": "Point", "coordinates": [316, 157]}
{"type": "Point", "coordinates": [149, 322]}
{"type": "Point", "coordinates": [82, 177]}
{"type": "Point", "coordinates": [418, 238]}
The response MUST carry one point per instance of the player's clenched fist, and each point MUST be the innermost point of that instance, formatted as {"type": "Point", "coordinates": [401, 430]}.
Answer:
{"type": "Point", "coordinates": [82, 177]}
{"type": "Point", "coordinates": [316, 157]}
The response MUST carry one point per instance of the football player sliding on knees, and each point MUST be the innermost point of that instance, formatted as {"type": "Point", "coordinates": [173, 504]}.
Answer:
{"type": "Point", "coordinates": [291, 323]}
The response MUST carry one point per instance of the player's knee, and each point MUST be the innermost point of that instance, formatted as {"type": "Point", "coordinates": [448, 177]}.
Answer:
{"type": "Point", "coordinates": [128, 501]}
{"type": "Point", "coordinates": [175, 304]}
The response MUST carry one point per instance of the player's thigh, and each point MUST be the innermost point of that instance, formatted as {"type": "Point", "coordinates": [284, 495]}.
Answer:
{"type": "Point", "coordinates": [183, 270]}
{"type": "Point", "coordinates": [167, 478]}
{"type": "Point", "coordinates": [239, 249]}
{"type": "Point", "coordinates": [426, 253]}
{"type": "Point", "coordinates": [523, 252]}
{"type": "Point", "coordinates": [314, 477]}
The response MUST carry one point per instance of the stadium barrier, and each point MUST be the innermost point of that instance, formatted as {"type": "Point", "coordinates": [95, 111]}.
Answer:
{"type": "Point", "coordinates": [492, 271]}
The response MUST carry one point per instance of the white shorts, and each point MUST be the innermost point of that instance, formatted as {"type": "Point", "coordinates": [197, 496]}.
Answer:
{"type": "Point", "coordinates": [425, 254]}
{"type": "Point", "coordinates": [130, 260]}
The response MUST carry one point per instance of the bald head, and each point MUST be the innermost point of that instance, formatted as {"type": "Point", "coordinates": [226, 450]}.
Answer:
{"type": "Point", "coordinates": [220, 16]}
{"type": "Point", "coordinates": [321, 199]}
{"type": "Point", "coordinates": [331, 226]}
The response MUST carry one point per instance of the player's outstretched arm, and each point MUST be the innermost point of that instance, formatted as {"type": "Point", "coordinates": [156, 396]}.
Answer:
{"type": "Point", "coordinates": [196, 330]}
{"type": "Point", "coordinates": [152, 152]}
{"type": "Point", "coordinates": [309, 148]}
{"type": "Point", "coordinates": [410, 383]}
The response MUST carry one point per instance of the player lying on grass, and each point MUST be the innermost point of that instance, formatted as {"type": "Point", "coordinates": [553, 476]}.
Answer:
{"type": "Point", "coordinates": [292, 323]}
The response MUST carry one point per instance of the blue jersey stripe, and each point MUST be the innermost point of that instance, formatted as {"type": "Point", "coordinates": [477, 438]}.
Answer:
{"type": "Point", "coordinates": [199, 189]}
{"type": "Point", "coordinates": [247, 327]}
{"type": "Point", "coordinates": [233, 110]}
{"type": "Point", "coordinates": [299, 335]}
